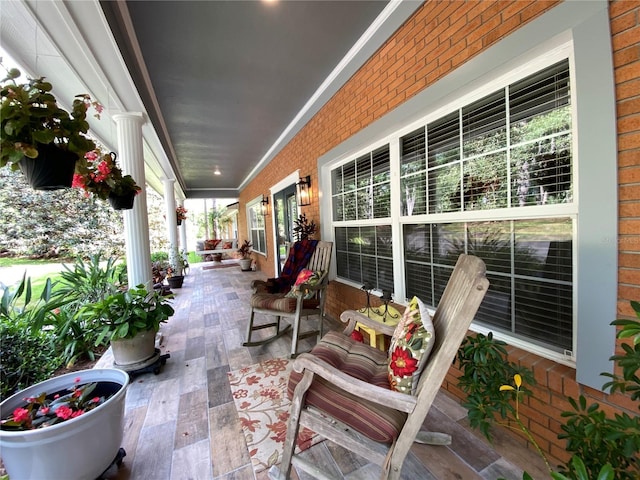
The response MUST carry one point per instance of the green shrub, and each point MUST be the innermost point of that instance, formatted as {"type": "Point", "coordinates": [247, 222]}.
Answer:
{"type": "Point", "coordinates": [27, 356]}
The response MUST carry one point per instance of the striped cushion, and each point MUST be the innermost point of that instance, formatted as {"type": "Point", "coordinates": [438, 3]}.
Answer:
{"type": "Point", "coordinates": [365, 363]}
{"type": "Point", "coordinates": [280, 303]}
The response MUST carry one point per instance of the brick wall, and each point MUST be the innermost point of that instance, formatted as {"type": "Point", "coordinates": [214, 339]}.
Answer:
{"type": "Point", "coordinates": [437, 39]}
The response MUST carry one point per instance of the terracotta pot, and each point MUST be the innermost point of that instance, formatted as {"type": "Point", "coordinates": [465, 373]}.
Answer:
{"type": "Point", "coordinates": [81, 448]}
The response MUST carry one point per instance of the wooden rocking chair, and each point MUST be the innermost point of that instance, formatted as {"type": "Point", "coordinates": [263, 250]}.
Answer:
{"type": "Point", "coordinates": [270, 297]}
{"type": "Point", "coordinates": [367, 408]}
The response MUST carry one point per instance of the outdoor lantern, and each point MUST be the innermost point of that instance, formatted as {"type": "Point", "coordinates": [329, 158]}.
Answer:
{"type": "Point", "coordinates": [264, 204]}
{"type": "Point", "coordinates": [304, 191]}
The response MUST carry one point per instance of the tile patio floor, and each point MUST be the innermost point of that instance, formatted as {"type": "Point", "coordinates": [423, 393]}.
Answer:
{"type": "Point", "coordinates": [182, 424]}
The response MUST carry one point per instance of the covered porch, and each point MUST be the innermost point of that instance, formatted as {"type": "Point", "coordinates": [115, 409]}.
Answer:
{"type": "Point", "coordinates": [183, 424]}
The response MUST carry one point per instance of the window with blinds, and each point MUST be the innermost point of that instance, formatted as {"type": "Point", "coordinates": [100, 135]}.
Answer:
{"type": "Point", "coordinates": [256, 227]}
{"type": "Point", "coordinates": [493, 178]}
{"type": "Point", "coordinates": [508, 150]}
{"type": "Point", "coordinates": [361, 193]}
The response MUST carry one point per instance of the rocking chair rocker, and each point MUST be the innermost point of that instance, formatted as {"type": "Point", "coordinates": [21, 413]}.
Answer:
{"type": "Point", "coordinates": [277, 296]}
{"type": "Point", "coordinates": [341, 389]}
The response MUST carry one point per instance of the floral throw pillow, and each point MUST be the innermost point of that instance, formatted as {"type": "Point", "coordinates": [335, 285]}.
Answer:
{"type": "Point", "coordinates": [410, 346]}
{"type": "Point", "coordinates": [305, 276]}
{"type": "Point", "coordinates": [227, 245]}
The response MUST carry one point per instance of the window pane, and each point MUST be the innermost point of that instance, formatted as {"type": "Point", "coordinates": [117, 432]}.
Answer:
{"type": "Point", "coordinates": [539, 105]}
{"type": "Point", "coordinates": [336, 181]}
{"type": "Point", "coordinates": [484, 125]}
{"type": "Point", "coordinates": [384, 241]}
{"type": "Point", "coordinates": [485, 182]}
{"type": "Point", "coordinates": [414, 196]}
{"type": "Point", "coordinates": [385, 274]}
{"type": "Point", "coordinates": [365, 203]}
{"type": "Point", "coordinates": [412, 156]}
{"type": "Point", "coordinates": [349, 176]}
{"type": "Point", "coordinates": [491, 241]}
{"type": "Point", "coordinates": [417, 243]}
{"type": "Point", "coordinates": [444, 189]}
{"type": "Point", "coordinates": [368, 240]}
{"type": "Point", "coordinates": [380, 165]}
{"type": "Point", "coordinates": [544, 312]}
{"type": "Point", "coordinates": [363, 171]}
{"type": "Point", "coordinates": [354, 240]}
{"type": "Point", "coordinates": [448, 242]}
{"type": "Point", "coordinates": [544, 248]}
{"type": "Point", "coordinates": [382, 200]}
{"type": "Point", "coordinates": [338, 210]}
{"type": "Point", "coordinates": [444, 140]}
{"type": "Point", "coordinates": [495, 309]}
{"type": "Point", "coordinates": [349, 206]}
{"type": "Point", "coordinates": [419, 282]}
{"type": "Point", "coordinates": [541, 172]}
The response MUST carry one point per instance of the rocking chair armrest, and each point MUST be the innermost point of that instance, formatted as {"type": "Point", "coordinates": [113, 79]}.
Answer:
{"type": "Point", "coordinates": [262, 286]}
{"type": "Point", "coordinates": [396, 400]}
{"type": "Point", "coordinates": [351, 317]}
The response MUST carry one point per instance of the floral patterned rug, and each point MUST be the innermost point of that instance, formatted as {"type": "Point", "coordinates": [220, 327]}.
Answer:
{"type": "Point", "coordinates": [260, 395]}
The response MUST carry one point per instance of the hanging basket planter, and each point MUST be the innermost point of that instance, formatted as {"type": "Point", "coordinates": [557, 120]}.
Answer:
{"type": "Point", "coordinates": [52, 170]}
{"type": "Point", "coordinates": [122, 202]}
{"type": "Point", "coordinates": [179, 221]}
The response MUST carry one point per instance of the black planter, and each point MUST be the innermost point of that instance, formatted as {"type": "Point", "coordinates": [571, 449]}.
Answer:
{"type": "Point", "coordinates": [122, 202]}
{"type": "Point", "coordinates": [179, 221]}
{"type": "Point", "coordinates": [52, 170]}
{"type": "Point", "coordinates": [175, 281]}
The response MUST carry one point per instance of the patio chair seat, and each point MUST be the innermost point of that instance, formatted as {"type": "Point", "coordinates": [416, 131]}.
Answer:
{"type": "Point", "coordinates": [360, 361]}
{"type": "Point", "coordinates": [280, 303]}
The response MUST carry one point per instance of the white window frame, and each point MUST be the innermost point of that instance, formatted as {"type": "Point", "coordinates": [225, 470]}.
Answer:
{"type": "Point", "coordinates": [251, 205]}
{"type": "Point", "coordinates": [585, 29]}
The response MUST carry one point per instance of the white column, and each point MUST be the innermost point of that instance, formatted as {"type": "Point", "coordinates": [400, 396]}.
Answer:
{"type": "Point", "coordinates": [170, 215]}
{"type": "Point", "coordinates": [206, 221]}
{"type": "Point", "coordinates": [136, 222]}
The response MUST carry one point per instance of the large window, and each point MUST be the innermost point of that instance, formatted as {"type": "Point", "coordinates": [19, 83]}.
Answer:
{"type": "Point", "coordinates": [492, 177]}
{"type": "Point", "coordinates": [256, 226]}
{"type": "Point", "coordinates": [361, 198]}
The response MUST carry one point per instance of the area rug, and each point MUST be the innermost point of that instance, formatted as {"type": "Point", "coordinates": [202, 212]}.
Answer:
{"type": "Point", "coordinates": [220, 265]}
{"type": "Point", "coordinates": [260, 396]}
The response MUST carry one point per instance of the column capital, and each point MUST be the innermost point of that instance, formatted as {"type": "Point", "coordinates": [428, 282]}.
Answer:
{"type": "Point", "coordinates": [137, 116]}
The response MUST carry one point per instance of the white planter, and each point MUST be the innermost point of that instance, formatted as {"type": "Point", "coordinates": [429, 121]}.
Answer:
{"type": "Point", "coordinates": [245, 264]}
{"type": "Point", "coordinates": [133, 351]}
{"type": "Point", "coordinates": [77, 449]}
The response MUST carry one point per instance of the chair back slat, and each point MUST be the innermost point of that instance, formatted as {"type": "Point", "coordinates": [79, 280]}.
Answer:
{"type": "Point", "coordinates": [321, 258]}
{"type": "Point", "coordinates": [459, 303]}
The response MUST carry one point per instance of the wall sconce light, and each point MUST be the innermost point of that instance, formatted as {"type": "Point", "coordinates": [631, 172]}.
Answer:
{"type": "Point", "coordinates": [264, 205]}
{"type": "Point", "coordinates": [304, 191]}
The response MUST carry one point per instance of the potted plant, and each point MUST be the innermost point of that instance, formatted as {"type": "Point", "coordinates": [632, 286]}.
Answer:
{"type": "Point", "coordinates": [304, 229]}
{"type": "Point", "coordinates": [244, 254]}
{"type": "Point", "coordinates": [38, 136]}
{"type": "Point", "coordinates": [84, 409]}
{"type": "Point", "coordinates": [181, 214]}
{"type": "Point", "coordinates": [98, 174]}
{"type": "Point", "coordinates": [130, 319]}
{"type": "Point", "coordinates": [175, 272]}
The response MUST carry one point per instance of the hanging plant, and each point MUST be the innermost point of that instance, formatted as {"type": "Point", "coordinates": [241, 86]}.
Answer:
{"type": "Point", "coordinates": [31, 117]}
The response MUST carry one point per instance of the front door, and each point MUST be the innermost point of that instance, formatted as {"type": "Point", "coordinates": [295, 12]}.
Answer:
{"type": "Point", "coordinates": [285, 209]}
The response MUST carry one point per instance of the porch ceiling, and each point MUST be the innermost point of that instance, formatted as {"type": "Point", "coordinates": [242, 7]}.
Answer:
{"type": "Point", "coordinates": [221, 81]}
{"type": "Point", "coordinates": [223, 84]}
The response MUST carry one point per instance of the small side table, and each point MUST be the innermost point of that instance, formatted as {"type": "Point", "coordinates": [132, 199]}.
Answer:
{"type": "Point", "coordinates": [376, 339]}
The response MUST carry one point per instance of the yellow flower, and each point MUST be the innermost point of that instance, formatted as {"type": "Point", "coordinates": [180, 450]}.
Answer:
{"type": "Point", "coordinates": [518, 381]}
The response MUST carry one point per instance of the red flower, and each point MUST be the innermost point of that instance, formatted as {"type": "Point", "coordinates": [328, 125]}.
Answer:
{"type": "Point", "coordinates": [402, 363]}
{"type": "Point", "coordinates": [64, 412]}
{"type": "Point", "coordinates": [357, 336]}
{"type": "Point", "coordinates": [95, 399]}
{"type": "Point", "coordinates": [77, 413]}
{"type": "Point", "coordinates": [21, 415]}
{"type": "Point", "coordinates": [104, 168]}
{"type": "Point", "coordinates": [44, 410]}
{"type": "Point", "coordinates": [78, 181]}
{"type": "Point", "coordinates": [91, 156]}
